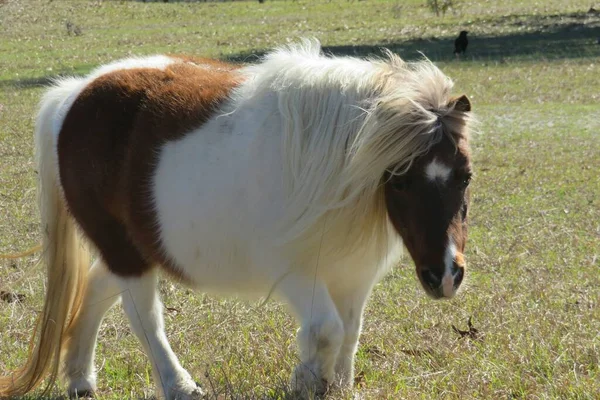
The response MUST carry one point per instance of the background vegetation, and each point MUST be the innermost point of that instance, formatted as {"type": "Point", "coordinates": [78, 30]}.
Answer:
{"type": "Point", "coordinates": [532, 72]}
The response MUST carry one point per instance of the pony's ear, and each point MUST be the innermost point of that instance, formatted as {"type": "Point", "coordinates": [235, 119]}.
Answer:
{"type": "Point", "coordinates": [461, 103]}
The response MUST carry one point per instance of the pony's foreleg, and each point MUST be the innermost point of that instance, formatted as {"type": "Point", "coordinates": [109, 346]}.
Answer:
{"type": "Point", "coordinates": [350, 305]}
{"type": "Point", "coordinates": [320, 335]}
{"type": "Point", "coordinates": [102, 292]}
{"type": "Point", "coordinates": [144, 310]}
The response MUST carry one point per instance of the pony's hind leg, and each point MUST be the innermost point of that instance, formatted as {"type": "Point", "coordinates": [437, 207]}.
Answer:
{"type": "Point", "coordinates": [144, 310]}
{"type": "Point", "coordinates": [321, 333]}
{"type": "Point", "coordinates": [136, 280]}
{"type": "Point", "coordinates": [102, 292]}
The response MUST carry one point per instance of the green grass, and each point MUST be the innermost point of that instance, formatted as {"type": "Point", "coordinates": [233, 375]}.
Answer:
{"type": "Point", "coordinates": [534, 249]}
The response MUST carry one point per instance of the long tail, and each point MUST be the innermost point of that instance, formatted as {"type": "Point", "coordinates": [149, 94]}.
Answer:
{"type": "Point", "coordinates": [65, 255]}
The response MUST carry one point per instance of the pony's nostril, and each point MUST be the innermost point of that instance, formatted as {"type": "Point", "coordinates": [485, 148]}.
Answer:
{"type": "Point", "coordinates": [458, 273]}
{"type": "Point", "coordinates": [454, 268]}
{"type": "Point", "coordinates": [432, 280]}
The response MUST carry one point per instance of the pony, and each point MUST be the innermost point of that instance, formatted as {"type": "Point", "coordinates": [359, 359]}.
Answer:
{"type": "Point", "coordinates": [302, 176]}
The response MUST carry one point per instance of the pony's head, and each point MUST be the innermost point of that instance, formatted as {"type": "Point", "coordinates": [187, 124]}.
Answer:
{"type": "Point", "coordinates": [428, 204]}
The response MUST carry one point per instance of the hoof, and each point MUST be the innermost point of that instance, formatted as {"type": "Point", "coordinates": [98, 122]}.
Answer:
{"type": "Point", "coordinates": [192, 391]}
{"type": "Point", "coordinates": [81, 394]}
{"type": "Point", "coordinates": [306, 382]}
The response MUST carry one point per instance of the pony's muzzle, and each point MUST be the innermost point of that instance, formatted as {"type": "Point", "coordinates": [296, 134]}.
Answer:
{"type": "Point", "coordinates": [443, 283]}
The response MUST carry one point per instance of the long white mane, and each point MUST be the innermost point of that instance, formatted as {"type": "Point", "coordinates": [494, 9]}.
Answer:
{"type": "Point", "coordinates": [345, 122]}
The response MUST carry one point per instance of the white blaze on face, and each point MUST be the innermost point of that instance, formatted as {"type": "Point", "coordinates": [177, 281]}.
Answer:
{"type": "Point", "coordinates": [448, 278]}
{"type": "Point", "coordinates": [437, 171]}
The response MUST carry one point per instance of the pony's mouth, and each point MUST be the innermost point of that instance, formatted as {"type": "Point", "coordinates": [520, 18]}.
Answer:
{"type": "Point", "coordinates": [441, 287]}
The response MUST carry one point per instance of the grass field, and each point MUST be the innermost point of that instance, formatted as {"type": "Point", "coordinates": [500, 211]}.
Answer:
{"type": "Point", "coordinates": [532, 72]}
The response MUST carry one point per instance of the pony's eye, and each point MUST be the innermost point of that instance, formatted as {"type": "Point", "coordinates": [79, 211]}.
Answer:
{"type": "Point", "coordinates": [401, 183]}
{"type": "Point", "coordinates": [463, 180]}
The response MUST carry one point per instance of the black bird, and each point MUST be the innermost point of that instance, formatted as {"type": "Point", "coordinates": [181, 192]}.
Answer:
{"type": "Point", "coordinates": [461, 43]}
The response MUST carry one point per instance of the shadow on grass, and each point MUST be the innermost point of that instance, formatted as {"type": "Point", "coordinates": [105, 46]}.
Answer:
{"type": "Point", "coordinates": [27, 83]}
{"type": "Point", "coordinates": [44, 81]}
{"type": "Point", "coordinates": [548, 37]}
{"type": "Point", "coordinates": [560, 36]}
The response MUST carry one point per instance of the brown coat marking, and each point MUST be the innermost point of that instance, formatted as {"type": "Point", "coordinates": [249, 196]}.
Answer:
{"type": "Point", "coordinates": [425, 213]}
{"type": "Point", "coordinates": [107, 151]}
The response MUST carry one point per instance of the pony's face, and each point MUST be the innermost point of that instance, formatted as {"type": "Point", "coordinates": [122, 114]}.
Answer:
{"type": "Point", "coordinates": [428, 207]}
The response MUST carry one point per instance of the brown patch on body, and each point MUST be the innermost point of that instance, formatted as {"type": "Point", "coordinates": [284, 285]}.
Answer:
{"type": "Point", "coordinates": [108, 150]}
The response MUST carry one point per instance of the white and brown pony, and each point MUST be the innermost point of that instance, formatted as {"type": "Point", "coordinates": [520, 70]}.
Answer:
{"type": "Point", "coordinates": [300, 176]}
